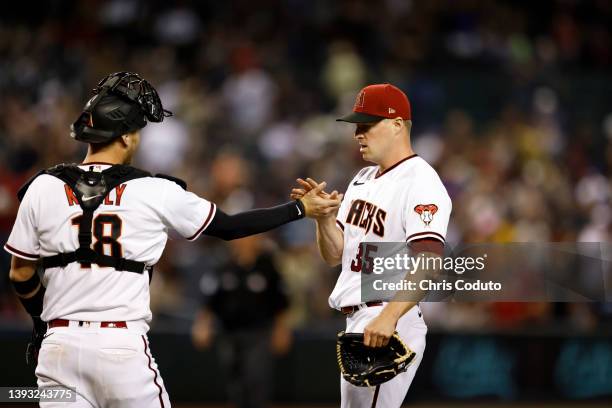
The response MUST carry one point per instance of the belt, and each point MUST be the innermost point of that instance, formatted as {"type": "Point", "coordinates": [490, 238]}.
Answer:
{"type": "Point", "coordinates": [347, 310]}
{"type": "Point", "coordinates": [81, 323]}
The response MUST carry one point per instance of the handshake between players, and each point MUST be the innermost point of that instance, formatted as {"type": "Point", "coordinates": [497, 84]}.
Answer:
{"type": "Point", "coordinates": [317, 202]}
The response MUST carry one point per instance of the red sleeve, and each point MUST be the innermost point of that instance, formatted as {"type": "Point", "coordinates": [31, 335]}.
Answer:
{"type": "Point", "coordinates": [426, 245]}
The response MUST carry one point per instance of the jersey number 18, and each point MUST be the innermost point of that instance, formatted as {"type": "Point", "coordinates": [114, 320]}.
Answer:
{"type": "Point", "coordinates": [102, 236]}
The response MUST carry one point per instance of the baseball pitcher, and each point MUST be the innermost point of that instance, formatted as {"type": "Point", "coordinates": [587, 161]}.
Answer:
{"type": "Point", "coordinates": [399, 199]}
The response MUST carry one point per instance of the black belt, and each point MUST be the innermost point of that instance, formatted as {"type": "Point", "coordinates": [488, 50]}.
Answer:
{"type": "Point", "coordinates": [347, 310]}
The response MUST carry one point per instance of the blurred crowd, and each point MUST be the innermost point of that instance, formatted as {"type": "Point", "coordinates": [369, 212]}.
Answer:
{"type": "Point", "coordinates": [512, 104]}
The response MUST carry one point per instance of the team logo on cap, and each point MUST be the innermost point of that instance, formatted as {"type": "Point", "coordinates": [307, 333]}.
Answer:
{"type": "Point", "coordinates": [360, 101]}
{"type": "Point", "coordinates": [426, 212]}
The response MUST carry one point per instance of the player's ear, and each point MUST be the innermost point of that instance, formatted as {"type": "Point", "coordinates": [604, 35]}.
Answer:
{"type": "Point", "coordinates": [398, 124]}
{"type": "Point", "coordinates": [128, 139]}
{"type": "Point", "coordinates": [125, 139]}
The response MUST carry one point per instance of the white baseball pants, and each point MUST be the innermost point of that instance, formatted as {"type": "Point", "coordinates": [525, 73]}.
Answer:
{"type": "Point", "coordinates": [110, 367]}
{"type": "Point", "coordinates": [412, 329]}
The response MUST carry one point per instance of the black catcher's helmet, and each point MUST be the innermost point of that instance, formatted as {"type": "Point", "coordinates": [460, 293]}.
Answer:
{"type": "Point", "coordinates": [122, 102]}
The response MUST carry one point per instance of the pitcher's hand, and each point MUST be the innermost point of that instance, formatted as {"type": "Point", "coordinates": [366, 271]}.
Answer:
{"type": "Point", "coordinates": [318, 204]}
{"type": "Point", "coordinates": [306, 186]}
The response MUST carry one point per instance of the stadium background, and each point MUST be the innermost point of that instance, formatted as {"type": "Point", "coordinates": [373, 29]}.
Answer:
{"type": "Point", "coordinates": [512, 104]}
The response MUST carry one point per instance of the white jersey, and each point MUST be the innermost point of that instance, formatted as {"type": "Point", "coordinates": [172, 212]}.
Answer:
{"type": "Point", "coordinates": [132, 222]}
{"type": "Point", "coordinates": [406, 202]}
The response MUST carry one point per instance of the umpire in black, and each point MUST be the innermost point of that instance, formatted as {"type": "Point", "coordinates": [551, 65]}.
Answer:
{"type": "Point", "coordinates": [245, 304]}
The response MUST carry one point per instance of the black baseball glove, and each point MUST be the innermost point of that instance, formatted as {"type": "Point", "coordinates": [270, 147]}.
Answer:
{"type": "Point", "coordinates": [38, 334]}
{"type": "Point", "coordinates": [369, 366]}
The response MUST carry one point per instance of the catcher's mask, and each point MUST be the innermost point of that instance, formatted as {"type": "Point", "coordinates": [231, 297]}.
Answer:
{"type": "Point", "coordinates": [121, 103]}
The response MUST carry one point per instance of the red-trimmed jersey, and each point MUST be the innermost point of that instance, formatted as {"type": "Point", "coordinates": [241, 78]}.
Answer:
{"type": "Point", "coordinates": [404, 203]}
{"type": "Point", "coordinates": [132, 222]}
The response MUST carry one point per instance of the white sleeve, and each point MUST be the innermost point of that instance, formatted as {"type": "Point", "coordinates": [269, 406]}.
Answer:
{"type": "Point", "coordinates": [428, 211]}
{"type": "Point", "coordinates": [24, 240]}
{"type": "Point", "coordinates": [187, 213]}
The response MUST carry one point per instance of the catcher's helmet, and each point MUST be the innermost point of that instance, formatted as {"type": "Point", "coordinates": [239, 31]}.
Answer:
{"type": "Point", "coordinates": [121, 103]}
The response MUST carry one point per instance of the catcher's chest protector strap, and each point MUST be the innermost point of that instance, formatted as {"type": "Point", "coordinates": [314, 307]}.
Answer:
{"type": "Point", "coordinates": [90, 188]}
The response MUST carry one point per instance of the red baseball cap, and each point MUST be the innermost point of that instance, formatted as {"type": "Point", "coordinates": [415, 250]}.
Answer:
{"type": "Point", "coordinates": [378, 102]}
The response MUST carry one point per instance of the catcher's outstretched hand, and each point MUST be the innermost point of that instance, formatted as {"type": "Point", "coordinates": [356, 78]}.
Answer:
{"type": "Point", "coordinates": [306, 186]}
{"type": "Point", "coordinates": [317, 206]}
{"type": "Point", "coordinates": [378, 332]}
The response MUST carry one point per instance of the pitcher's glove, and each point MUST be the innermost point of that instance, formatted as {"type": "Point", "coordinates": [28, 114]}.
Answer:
{"type": "Point", "coordinates": [38, 334]}
{"type": "Point", "coordinates": [369, 366]}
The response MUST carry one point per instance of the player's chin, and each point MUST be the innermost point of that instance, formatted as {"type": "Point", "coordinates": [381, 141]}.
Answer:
{"type": "Point", "coordinates": [367, 157]}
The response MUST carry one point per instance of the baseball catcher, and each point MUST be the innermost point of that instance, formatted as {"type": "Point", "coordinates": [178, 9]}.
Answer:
{"type": "Point", "coordinates": [96, 230]}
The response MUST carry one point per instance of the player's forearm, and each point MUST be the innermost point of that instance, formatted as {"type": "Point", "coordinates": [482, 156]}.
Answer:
{"type": "Point", "coordinates": [27, 285]}
{"type": "Point", "coordinates": [330, 241]}
{"type": "Point", "coordinates": [404, 300]}
{"type": "Point", "coordinates": [23, 276]}
{"type": "Point", "coordinates": [228, 227]}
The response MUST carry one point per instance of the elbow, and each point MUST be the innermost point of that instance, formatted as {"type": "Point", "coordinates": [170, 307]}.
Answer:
{"type": "Point", "coordinates": [21, 269]}
{"type": "Point", "coordinates": [21, 274]}
{"type": "Point", "coordinates": [225, 235]}
{"type": "Point", "coordinates": [14, 275]}
{"type": "Point", "coordinates": [230, 236]}
{"type": "Point", "coordinates": [332, 261]}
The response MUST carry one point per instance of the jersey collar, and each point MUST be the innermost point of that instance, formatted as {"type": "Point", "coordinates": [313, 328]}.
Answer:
{"type": "Point", "coordinates": [96, 163]}
{"type": "Point", "coordinates": [378, 173]}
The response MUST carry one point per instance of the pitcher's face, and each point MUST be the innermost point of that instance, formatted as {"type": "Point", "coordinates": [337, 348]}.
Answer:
{"type": "Point", "coordinates": [375, 140]}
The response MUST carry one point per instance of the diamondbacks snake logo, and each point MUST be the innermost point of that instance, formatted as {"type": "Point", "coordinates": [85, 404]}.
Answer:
{"type": "Point", "coordinates": [426, 212]}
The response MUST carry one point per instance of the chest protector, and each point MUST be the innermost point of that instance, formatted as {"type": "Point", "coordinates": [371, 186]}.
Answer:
{"type": "Point", "coordinates": [90, 188]}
